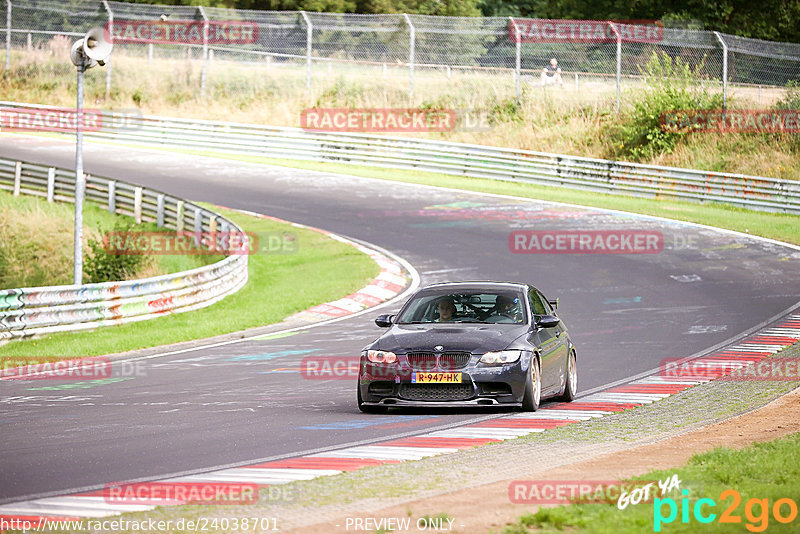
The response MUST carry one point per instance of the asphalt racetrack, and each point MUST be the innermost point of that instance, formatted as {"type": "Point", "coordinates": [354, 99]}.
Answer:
{"type": "Point", "coordinates": [217, 406]}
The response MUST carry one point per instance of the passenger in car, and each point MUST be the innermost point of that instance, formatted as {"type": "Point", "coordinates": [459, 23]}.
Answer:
{"type": "Point", "coordinates": [447, 309]}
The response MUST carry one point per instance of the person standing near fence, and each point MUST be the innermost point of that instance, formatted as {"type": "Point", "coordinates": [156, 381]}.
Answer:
{"type": "Point", "coordinates": [551, 74]}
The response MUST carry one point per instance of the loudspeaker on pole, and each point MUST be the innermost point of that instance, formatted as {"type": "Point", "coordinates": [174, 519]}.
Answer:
{"type": "Point", "coordinates": [92, 50]}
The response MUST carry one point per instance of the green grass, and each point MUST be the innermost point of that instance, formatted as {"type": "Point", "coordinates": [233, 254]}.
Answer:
{"type": "Point", "coordinates": [41, 255]}
{"type": "Point", "coordinates": [768, 470]}
{"type": "Point", "coordinates": [321, 270]}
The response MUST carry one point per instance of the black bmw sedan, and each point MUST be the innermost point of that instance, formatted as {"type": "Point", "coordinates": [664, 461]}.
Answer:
{"type": "Point", "coordinates": [469, 343]}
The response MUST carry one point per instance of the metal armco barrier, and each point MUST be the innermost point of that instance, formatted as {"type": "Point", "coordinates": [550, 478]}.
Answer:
{"type": "Point", "coordinates": [478, 161]}
{"type": "Point", "coordinates": [40, 310]}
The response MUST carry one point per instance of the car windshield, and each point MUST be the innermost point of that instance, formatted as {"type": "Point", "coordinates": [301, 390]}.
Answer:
{"type": "Point", "coordinates": [464, 307]}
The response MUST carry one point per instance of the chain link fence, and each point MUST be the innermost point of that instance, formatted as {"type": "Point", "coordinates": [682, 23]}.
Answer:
{"type": "Point", "coordinates": [413, 54]}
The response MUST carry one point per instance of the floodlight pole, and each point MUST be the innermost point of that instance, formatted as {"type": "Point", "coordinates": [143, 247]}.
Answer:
{"type": "Point", "coordinates": [8, 35]}
{"type": "Point", "coordinates": [204, 72]}
{"type": "Point", "coordinates": [518, 62]}
{"type": "Point", "coordinates": [724, 70]}
{"type": "Point", "coordinates": [619, 62]}
{"type": "Point", "coordinates": [309, 41]}
{"type": "Point", "coordinates": [80, 184]}
{"type": "Point", "coordinates": [412, 39]}
{"type": "Point", "coordinates": [111, 35]}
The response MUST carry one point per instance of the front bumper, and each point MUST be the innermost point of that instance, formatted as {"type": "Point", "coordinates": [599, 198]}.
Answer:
{"type": "Point", "coordinates": [481, 385]}
{"type": "Point", "coordinates": [441, 404]}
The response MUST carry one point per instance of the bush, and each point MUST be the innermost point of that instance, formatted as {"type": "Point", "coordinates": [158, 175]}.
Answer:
{"type": "Point", "coordinates": [792, 98]}
{"type": "Point", "coordinates": [101, 266]}
{"type": "Point", "coordinates": [508, 110]}
{"type": "Point", "coordinates": [639, 134]}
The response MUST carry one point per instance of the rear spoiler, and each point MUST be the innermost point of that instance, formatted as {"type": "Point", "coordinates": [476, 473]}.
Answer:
{"type": "Point", "coordinates": [553, 304]}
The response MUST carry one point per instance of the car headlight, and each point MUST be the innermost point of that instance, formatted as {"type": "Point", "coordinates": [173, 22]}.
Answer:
{"type": "Point", "coordinates": [500, 357]}
{"type": "Point", "coordinates": [381, 356]}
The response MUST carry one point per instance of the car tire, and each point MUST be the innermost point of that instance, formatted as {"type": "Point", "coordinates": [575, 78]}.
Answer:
{"type": "Point", "coordinates": [533, 387]}
{"type": "Point", "coordinates": [571, 387]}
{"type": "Point", "coordinates": [366, 408]}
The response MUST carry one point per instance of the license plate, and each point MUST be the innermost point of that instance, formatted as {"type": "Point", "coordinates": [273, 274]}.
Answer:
{"type": "Point", "coordinates": [435, 378]}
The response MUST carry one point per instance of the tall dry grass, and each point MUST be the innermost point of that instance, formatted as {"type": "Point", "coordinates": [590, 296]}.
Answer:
{"type": "Point", "coordinates": [36, 242]}
{"type": "Point", "coordinates": [568, 119]}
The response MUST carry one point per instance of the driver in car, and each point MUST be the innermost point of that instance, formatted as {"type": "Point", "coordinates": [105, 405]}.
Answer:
{"type": "Point", "coordinates": [504, 306]}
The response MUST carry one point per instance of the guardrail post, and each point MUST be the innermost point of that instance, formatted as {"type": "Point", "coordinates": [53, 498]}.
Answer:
{"type": "Point", "coordinates": [51, 184]}
{"type": "Point", "coordinates": [198, 225]}
{"type": "Point", "coordinates": [160, 210]}
{"type": "Point", "coordinates": [576, 82]}
{"type": "Point", "coordinates": [17, 177]}
{"type": "Point", "coordinates": [108, 61]}
{"type": "Point", "coordinates": [29, 41]}
{"type": "Point", "coordinates": [309, 38]}
{"type": "Point", "coordinates": [212, 231]}
{"type": "Point", "coordinates": [149, 53]}
{"type": "Point", "coordinates": [226, 238]}
{"type": "Point", "coordinates": [619, 62]}
{"type": "Point", "coordinates": [724, 69]}
{"type": "Point", "coordinates": [411, 43]}
{"type": "Point", "coordinates": [137, 205]}
{"type": "Point", "coordinates": [179, 216]}
{"type": "Point", "coordinates": [8, 35]}
{"type": "Point", "coordinates": [518, 58]}
{"type": "Point", "coordinates": [112, 197]}
{"type": "Point", "coordinates": [204, 72]}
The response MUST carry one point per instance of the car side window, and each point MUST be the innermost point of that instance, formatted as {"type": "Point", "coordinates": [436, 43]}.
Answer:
{"type": "Point", "coordinates": [537, 306]}
{"type": "Point", "coordinates": [548, 310]}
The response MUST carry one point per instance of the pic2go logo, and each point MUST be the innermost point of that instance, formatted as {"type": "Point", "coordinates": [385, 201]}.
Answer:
{"type": "Point", "coordinates": [757, 511]}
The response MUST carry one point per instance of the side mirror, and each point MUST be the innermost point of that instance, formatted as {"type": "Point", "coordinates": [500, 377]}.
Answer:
{"type": "Point", "coordinates": [384, 321]}
{"type": "Point", "coordinates": [547, 321]}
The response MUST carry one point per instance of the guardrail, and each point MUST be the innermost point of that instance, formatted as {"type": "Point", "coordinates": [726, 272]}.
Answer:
{"type": "Point", "coordinates": [478, 161]}
{"type": "Point", "coordinates": [40, 310]}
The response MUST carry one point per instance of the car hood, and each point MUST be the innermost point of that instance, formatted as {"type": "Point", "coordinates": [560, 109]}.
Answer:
{"type": "Point", "coordinates": [475, 338]}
